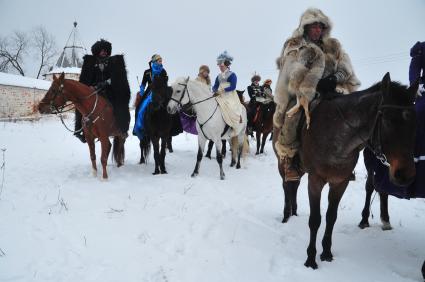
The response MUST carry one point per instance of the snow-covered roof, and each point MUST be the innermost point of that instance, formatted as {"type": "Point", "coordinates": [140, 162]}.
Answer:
{"type": "Point", "coordinates": [23, 81]}
{"type": "Point", "coordinates": [65, 70]}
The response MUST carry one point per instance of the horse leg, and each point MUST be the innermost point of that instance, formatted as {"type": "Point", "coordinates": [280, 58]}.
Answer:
{"type": "Point", "coordinates": [155, 143]}
{"type": "Point", "coordinates": [263, 142]}
{"type": "Point", "coordinates": [315, 186]}
{"type": "Point", "coordinates": [90, 143]}
{"type": "Point", "coordinates": [142, 157]}
{"type": "Point", "coordinates": [170, 144]}
{"type": "Point", "coordinates": [162, 155]}
{"type": "Point", "coordinates": [258, 137]}
{"type": "Point", "coordinates": [385, 217]}
{"type": "Point", "coordinates": [335, 194]}
{"type": "Point", "coordinates": [223, 148]}
{"type": "Point", "coordinates": [294, 190]}
{"type": "Point", "coordinates": [241, 140]}
{"type": "Point", "coordinates": [234, 145]}
{"type": "Point", "coordinates": [369, 187]}
{"type": "Point", "coordinates": [210, 145]}
{"type": "Point", "coordinates": [106, 149]}
{"type": "Point", "coordinates": [201, 146]}
{"type": "Point", "coordinates": [218, 148]}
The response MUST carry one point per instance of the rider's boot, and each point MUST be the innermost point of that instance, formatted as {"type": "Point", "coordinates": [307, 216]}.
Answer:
{"type": "Point", "coordinates": [291, 173]}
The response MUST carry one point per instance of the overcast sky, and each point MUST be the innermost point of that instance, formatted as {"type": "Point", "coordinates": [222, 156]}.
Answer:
{"type": "Point", "coordinates": [376, 34]}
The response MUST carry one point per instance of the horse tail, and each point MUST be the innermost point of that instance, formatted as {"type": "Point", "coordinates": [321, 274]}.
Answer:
{"type": "Point", "coordinates": [118, 150]}
{"type": "Point", "coordinates": [145, 146]}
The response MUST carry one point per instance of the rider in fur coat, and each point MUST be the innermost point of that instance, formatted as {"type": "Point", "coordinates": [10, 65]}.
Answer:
{"type": "Point", "coordinates": [310, 59]}
{"type": "Point", "coordinates": [108, 75]}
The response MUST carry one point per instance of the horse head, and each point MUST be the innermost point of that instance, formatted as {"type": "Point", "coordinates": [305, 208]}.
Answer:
{"type": "Point", "coordinates": [395, 129]}
{"type": "Point", "coordinates": [179, 97]}
{"type": "Point", "coordinates": [161, 92]}
{"type": "Point", "coordinates": [54, 97]}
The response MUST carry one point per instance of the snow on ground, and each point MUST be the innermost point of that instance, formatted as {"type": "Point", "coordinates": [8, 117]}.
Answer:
{"type": "Point", "coordinates": [59, 223]}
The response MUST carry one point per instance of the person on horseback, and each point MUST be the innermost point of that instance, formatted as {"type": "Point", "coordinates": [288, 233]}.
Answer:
{"type": "Point", "coordinates": [417, 65]}
{"type": "Point", "coordinates": [108, 76]}
{"type": "Point", "coordinates": [204, 75]}
{"type": "Point", "coordinates": [254, 91]}
{"type": "Point", "coordinates": [267, 89]}
{"type": "Point", "coordinates": [310, 61]}
{"type": "Point", "coordinates": [143, 96]}
{"type": "Point", "coordinates": [224, 90]}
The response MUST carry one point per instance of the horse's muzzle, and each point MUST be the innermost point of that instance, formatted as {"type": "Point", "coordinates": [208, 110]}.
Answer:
{"type": "Point", "coordinates": [402, 176]}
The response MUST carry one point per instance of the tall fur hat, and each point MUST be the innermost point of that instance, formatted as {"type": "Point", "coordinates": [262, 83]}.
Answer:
{"type": "Point", "coordinates": [256, 77]}
{"type": "Point", "coordinates": [224, 58]}
{"type": "Point", "coordinates": [101, 45]}
{"type": "Point", "coordinates": [310, 16]}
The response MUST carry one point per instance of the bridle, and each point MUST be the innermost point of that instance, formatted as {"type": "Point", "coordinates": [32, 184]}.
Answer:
{"type": "Point", "coordinates": [374, 140]}
{"type": "Point", "coordinates": [60, 110]}
{"type": "Point", "coordinates": [190, 104]}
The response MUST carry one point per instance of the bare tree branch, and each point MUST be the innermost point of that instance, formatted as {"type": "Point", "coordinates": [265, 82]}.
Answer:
{"type": "Point", "coordinates": [45, 45]}
{"type": "Point", "coordinates": [12, 50]}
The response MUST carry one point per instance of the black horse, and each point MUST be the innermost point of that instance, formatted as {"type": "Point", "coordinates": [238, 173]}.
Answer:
{"type": "Point", "coordinates": [158, 124]}
{"type": "Point", "coordinates": [382, 117]}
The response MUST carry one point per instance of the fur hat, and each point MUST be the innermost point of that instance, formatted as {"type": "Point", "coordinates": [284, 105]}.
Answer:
{"type": "Point", "coordinates": [310, 16]}
{"type": "Point", "coordinates": [256, 77]}
{"type": "Point", "coordinates": [101, 45]}
{"type": "Point", "coordinates": [224, 58]}
{"type": "Point", "coordinates": [156, 57]}
{"type": "Point", "coordinates": [204, 68]}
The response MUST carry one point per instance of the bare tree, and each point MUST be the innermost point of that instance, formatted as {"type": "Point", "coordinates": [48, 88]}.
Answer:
{"type": "Point", "coordinates": [12, 50]}
{"type": "Point", "coordinates": [45, 45]}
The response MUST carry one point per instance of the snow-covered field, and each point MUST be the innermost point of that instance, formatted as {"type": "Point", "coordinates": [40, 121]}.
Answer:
{"type": "Point", "coordinates": [59, 223]}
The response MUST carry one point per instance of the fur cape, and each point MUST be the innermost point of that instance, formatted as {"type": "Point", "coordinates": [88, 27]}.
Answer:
{"type": "Point", "coordinates": [302, 63]}
{"type": "Point", "coordinates": [119, 91]}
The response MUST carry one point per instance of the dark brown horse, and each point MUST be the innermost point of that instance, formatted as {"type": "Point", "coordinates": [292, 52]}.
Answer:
{"type": "Point", "coordinates": [381, 117]}
{"type": "Point", "coordinates": [98, 118]}
{"type": "Point", "coordinates": [158, 123]}
{"type": "Point", "coordinates": [263, 124]}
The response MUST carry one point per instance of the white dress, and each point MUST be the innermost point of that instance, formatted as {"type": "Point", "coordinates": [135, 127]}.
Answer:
{"type": "Point", "coordinates": [231, 107]}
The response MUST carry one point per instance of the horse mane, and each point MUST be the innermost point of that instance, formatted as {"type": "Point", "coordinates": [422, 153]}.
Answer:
{"type": "Point", "coordinates": [395, 86]}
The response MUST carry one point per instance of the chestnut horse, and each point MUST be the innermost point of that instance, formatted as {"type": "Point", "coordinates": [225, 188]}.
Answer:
{"type": "Point", "coordinates": [383, 118]}
{"type": "Point", "coordinates": [98, 118]}
{"type": "Point", "coordinates": [263, 124]}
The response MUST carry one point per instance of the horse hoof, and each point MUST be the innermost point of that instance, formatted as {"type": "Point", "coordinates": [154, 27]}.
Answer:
{"type": "Point", "coordinates": [326, 256]}
{"type": "Point", "coordinates": [311, 263]}
{"type": "Point", "coordinates": [285, 219]}
{"type": "Point", "coordinates": [208, 156]}
{"type": "Point", "coordinates": [155, 172]}
{"type": "Point", "coordinates": [120, 165]}
{"type": "Point", "coordinates": [364, 225]}
{"type": "Point", "coordinates": [94, 173]}
{"type": "Point", "coordinates": [164, 172]}
{"type": "Point", "coordinates": [257, 153]}
{"type": "Point", "coordinates": [194, 174]}
{"type": "Point", "coordinates": [386, 226]}
{"type": "Point", "coordinates": [170, 150]}
{"type": "Point", "coordinates": [238, 166]}
{"type": "Point", "coordinates": [221, 177]}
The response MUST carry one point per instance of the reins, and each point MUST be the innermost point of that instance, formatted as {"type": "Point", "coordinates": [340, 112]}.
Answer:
{"type": "Point", "coordinates": [374, 142]}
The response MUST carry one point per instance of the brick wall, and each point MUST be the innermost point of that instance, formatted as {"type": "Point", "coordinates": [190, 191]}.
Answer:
{"type": "Point", "coordinates": [18, 101]}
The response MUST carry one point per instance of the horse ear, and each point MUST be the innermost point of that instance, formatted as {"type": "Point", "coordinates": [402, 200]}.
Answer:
{"type": "Point", "coordinates": [386, 84]}
{"type": "Point", "coordinates": [413, 89]}
{"type": "Point", "coordinates": [54, 77]}
{"type": "Point", "coordinates": [187, 79]}
{"type": "Point", "coordinates": [62, 76]}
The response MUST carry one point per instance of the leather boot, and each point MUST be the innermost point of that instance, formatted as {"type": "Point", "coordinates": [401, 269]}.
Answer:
{"type": "Point", "coordinates": [291, 173]}
{"type": "Point", "coordinates": [80, 136]}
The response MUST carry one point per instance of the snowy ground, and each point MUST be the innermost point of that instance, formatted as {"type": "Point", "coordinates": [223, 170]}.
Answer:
{"type": "Point", "coordinates": [59, 223]}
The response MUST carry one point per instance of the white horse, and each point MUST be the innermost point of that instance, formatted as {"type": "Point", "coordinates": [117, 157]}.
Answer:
{"type": "Point", "coordinates": [209, 122]}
